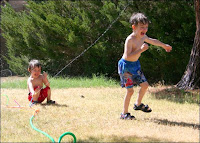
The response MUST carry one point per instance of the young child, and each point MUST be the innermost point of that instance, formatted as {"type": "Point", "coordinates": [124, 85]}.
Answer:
{"type": "Point", "coordinates": [129, 67]}
{"type": "Point", "coordinates": [37, 93]}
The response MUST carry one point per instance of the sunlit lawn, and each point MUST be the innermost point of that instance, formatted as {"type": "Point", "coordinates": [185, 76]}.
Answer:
{"type": "Point", "coordinates": [92, 114]}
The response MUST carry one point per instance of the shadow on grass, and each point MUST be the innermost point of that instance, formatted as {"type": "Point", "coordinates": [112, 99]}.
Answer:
{"type": "Point", "coordinates": [119, 139]}
{"type": "Point", "coordinates": [174, 123]}
{"type": "Point", "coordinates": [176, 95]}
{"type": "Point", "coordinates": [57, 105]}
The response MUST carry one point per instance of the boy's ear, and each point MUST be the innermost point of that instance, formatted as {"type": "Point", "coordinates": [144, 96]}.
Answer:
{"type": "Point", "coordinates": [133, 26]}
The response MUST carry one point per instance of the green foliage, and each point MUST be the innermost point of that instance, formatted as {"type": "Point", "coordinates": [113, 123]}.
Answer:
{"type": "Point", "coordinates": [55, 32]}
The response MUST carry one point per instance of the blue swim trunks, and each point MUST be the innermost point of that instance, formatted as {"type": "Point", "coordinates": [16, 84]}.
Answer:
{"type": "Point", "coordinates": [130, 73]}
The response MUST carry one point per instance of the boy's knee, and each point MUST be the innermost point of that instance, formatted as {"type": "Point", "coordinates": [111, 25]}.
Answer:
{"type": "Point", "coordinates": [130, 91]}
{"type": "Point", "coordinates": [145, 85]}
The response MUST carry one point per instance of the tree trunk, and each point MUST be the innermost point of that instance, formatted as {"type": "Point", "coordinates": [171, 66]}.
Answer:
{"type": "Point", "coordinates": [191, 77]}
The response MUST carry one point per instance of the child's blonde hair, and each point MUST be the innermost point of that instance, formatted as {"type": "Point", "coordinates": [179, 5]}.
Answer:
{"type": "Point", "coordinates": [32, 64]}
{"type": "Point", "coordinates": [137, 18]}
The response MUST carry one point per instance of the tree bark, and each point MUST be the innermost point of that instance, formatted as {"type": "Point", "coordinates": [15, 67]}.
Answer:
{"type": "Point", "coordinates": [191, 77]}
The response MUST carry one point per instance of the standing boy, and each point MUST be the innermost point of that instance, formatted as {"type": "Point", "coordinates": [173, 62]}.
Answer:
{"type": "Point", "coordinates": [129, 67]}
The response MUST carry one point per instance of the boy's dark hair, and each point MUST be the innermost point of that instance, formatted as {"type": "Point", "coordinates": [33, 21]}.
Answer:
{"type": "Point", "coordinates": [33, 63]}
{"type": "Point", "coordinates": [138, 18]}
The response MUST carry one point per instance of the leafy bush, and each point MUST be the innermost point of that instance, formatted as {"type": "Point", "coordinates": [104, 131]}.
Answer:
{"type": "Point", "coordinates": [55, 32]}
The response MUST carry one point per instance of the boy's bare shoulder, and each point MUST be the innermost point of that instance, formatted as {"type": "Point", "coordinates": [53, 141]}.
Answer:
{"type": "Point", "coordinates": [130, 38]}
{"type": "Point", "coordinates": [145, 37]}
{"type": "Point", "coordinates": [29, 79]}
{"type": "Point", "coordinates": [41, 76]}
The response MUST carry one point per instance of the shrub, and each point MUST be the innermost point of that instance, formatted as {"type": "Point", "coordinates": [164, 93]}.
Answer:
{"type": "Point", "coordinates": [56, 32]}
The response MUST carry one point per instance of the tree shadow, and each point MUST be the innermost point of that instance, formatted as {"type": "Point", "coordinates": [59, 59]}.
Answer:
{"type": "Point", "coordinates": [174, 123]}
{"type": "Point", "coordinates": [176, 95]}
{"type": "Point", "coordinates": [119, 139]}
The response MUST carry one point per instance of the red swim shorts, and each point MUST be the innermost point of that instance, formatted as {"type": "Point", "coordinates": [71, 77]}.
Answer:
{"type": "Point", "coordinates": [42, 96]}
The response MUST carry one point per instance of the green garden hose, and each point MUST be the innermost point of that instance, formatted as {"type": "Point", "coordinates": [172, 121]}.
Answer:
{"type": "Point", "coordinates": [67, 133]}
{"type": "Point", "coordinates": [40, 130]}
{"type": "Point", "coordinates": [7, 99]}
{"type": "Point", "coordinates": [60, 138]}
{"type": "Point", "coordinates": [31, 123]}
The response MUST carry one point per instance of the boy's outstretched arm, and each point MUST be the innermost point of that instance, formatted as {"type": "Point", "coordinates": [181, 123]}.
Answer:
{"type": "Point", "coordinates": [156, 42]}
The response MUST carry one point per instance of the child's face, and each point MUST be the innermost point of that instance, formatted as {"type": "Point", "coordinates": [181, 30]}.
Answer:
{"type": "Point", "coordinates": [141, 29]}
{"type": "Point", "coordinates": [35, 72]}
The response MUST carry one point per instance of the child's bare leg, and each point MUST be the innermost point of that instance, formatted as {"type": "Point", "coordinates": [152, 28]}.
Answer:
{"type": "Point", "coordinates": [49, 94]}
{"type": "Point", "coordinates": [144, 87]}
{"type": "Point", "coordinates": [49, 101]}
{"type": "Point", "coordinates": [129, 93]}
{"type": "Point", "coordinates": [36, 95]}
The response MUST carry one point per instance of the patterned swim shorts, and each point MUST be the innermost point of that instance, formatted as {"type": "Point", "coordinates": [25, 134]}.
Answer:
{"type": "Point", "coordinates": [130, 73]}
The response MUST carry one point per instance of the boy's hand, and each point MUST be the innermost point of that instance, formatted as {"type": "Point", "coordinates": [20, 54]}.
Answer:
{"type": "Point", "coordinates": [167, 48]}
{"type": "Point", "coordinates": [45, 74]}
{"type": "Point", "coordinates": [144, 47]}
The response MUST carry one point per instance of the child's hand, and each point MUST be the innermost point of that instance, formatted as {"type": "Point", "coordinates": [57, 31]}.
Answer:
{"type": "Point", "coordinates": [167, 48]}
{"type": "Point", "coordinates": [144, 47]}
{"type": "Point", "coordinates": [45, 74]}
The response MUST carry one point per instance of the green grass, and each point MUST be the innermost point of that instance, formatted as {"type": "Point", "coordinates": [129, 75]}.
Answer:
{"type": "Point", "coordinates": [68, 82]}
{"type": "Point", "coordinates": [169, 93]}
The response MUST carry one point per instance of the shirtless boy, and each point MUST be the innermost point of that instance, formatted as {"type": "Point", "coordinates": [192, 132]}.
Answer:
{"type": "Point", "coordinates": [129, 67]}
{"type": "Point", "coordinates": [37, 93]}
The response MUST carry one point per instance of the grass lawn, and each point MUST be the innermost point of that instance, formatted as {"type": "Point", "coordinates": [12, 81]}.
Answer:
{"type": "Point", "coordinates": [92, 114]}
